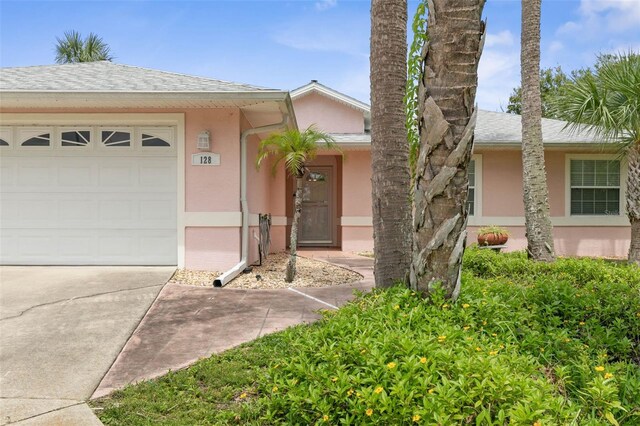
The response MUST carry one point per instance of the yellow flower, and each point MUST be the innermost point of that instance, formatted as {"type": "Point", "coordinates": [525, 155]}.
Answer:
{"type": "Point", "coordinates": [275, 389]}
{"type": "Point", "coordinates": [442, 338]}
{"type": "Point", "coordinates": [325, 418]}
{"type": "Point", "coordinates": [416, 418]}
{"type": "Point", "coordinates": [501, 346]}
{"type": "Point", "coordinates": [465, 328]}
{"type": "Point", "coordinates": [243, 395]}
{"type": "Point", "coordinates": [494, 334]}
{"type": "Point", "coordinates": [396, 307]}
{"type": "Point", "coordinates": [432, 390]}
{"type": "Point", "coordinates": [599, 368]}
{"type": "Point", "coordinates": [567, 340]}
{"type": "Point", "coordinates": [391, 365]}
{"type": "Point", "coordinates": [423, 360]}
{"type": "Point", "coordinates": [493, 353]}
{"type": "Point", "coordinates": [484, 323]}
{"type": "Point", "coordinates": [334, 379]}
{"type": "Point", "coordinates": [478, 348]}
{"type": "Point", "coordinates": [537, 424]}
{"type": "Point", "coordinates": [369, 412]}
{"type": "Point", "coordinates": [465, 305]}
{"type": "Point", "coordinates": [608, 375]}
{"type": "Point", "coordinates": [445, 306]}
{"type": "Point", "coordinates": [378, 389]}
{"type": "Point", "coordinates": [581, 323]}
{"type": "Point", "coordinates": [350, 392]}
{"type": "Point", "coordinates": [541, 349]}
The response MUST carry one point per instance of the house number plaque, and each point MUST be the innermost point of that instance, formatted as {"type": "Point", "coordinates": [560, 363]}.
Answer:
{"type": "Point", "coordinates": [205, 159]}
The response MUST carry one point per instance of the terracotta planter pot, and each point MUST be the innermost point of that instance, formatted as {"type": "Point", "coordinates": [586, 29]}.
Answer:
{"type": "Point", "coordinates": [492, 239]}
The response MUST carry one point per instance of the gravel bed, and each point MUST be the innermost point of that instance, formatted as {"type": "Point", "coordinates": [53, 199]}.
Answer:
{"type": "Point", "coordinates": [310, 273]}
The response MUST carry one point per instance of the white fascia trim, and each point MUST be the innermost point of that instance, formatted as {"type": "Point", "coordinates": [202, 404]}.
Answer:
{"type": "Point", "coordinates": [356, 221]}
{"type": "Point", "coordinates": [94, 119]}
{"type": "Point", "coordinates": [584, 221]}
{"type": "Point", "coordinates": [254, 220]}
{"type": "Point", "coordinates": [213, 219]}
{"type": "Point", "coordinates": [317, 87]}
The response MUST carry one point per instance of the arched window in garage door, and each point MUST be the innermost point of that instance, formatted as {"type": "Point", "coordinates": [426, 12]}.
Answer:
{"type": "Point", "coordinates": [115, 138]}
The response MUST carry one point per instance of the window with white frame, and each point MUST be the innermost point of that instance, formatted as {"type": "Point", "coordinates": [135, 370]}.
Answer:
{"type": "Point", "coordinates": [595, 187]}
{"type": "Point", "coordinates": [471, 200]}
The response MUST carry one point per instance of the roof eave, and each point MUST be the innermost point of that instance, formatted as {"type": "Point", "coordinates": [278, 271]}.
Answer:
{"type": "Point", "coordinates": [46, 99]}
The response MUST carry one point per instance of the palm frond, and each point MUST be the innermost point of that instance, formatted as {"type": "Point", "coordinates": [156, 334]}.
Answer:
{"type": "Point", "coordinates": [607, 101]}
{"type": "Point", "coordinates": [295, 148]}
{"type": "Point", "coordinates": [72, 49]}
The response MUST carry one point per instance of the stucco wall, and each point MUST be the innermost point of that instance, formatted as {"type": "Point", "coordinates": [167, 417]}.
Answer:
{"type": "Point", "coordinates": [328, 115]}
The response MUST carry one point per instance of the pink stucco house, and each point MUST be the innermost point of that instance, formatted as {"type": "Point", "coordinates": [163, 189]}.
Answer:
{"type": "Point", "coordinates": [112, 164]}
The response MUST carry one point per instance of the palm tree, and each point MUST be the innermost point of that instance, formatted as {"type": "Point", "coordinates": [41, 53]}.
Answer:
{"type": "Point", "coordinates": [447, 116]}
{"type": "Point", "coordinates": [72, 48]}
{"type": "Point", "coordinates": [389, 145]}
{"type": "Point", "coordinates": [608, 101]}
{"type": "Point", "coordinates": [296, 149]}
{"type": "Point", "coordinates": [539, 230]}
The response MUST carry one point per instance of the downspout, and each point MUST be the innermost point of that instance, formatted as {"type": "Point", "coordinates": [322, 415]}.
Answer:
{"type": "Point", "coordinates": [223, 279]}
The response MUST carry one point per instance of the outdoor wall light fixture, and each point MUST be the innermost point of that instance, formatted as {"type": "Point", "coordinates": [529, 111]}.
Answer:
{"type": "Point", "coordinates": [204, 139]}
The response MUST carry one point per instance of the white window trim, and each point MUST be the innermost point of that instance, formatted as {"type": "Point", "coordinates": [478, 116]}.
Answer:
{"type": "Point", "coordinates": [116, 120]}
{"type": "Point", "coordinates": [595, 220]}
{"type": "Point", "coordinates": [36, 130]}
{"type": "Point", "coordinates": [63, 129]}
{"type": "Point", "coordinates": [477, 207]}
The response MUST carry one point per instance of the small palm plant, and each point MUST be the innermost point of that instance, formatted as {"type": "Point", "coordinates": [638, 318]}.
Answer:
{"type": "Point", "coordinates": [296, 149]}
{"type": "Point", "coordinates": [72, 48]}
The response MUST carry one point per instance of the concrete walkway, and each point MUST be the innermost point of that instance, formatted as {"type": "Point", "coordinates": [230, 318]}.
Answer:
{"type": "Point", "coordinates": [186, 323]}
{"type": "Point", "coordinates": [61, 328]}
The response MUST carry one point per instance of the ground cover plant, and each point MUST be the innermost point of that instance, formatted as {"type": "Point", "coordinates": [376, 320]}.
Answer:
{"type": "Point", "coordinates": [526, 343]}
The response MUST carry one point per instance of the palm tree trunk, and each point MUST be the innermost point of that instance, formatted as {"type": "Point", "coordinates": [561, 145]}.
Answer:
{"type": "Point", "coordinates": [633, 201]}
{"type": "Point", "coordinates": [447, 120]}
{"type": "Point", "coordinates": [389, 145]}
{"type": "Point", "coordinates": [297, 209]}
{"type": "Point", "coordinates": [539, 230]}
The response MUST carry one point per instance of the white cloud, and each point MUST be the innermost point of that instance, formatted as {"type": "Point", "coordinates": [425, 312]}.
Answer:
{"type": "Point", "coordinates": [503, 38]}
{"type": "Point", "coordinates": [355, 82]}
{"type": "Point", "coordinates": [325, 4]}
{"type": "Point", "coordinates": [597, 17]}
{"type": "Point", "coordinates": [556, 46]}
{"type": "Point", "coordinates": [336, 35]}
{"type": "Point", "coordinates": [498, 74]}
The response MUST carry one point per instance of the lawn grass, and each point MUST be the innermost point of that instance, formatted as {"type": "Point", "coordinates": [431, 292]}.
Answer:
{"type": "Point", "coordinates": [525, 343]}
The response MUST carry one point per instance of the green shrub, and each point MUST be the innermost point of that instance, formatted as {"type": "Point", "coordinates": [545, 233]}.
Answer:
{"type": "Point", "coordinates": [525, 343]}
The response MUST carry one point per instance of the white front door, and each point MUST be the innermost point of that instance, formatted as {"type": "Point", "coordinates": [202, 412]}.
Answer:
{"type": "Point", "coordinates": [316, 224]}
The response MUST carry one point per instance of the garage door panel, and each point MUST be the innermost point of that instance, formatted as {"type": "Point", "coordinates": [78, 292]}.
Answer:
{"type": "Point", "coordinates": [86, 247]}
{"type": "Point", "coordinates": [59, 206]}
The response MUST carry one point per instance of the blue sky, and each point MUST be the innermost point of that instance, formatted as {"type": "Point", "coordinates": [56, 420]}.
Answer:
{"type": "Point", "coordinates": [284, 44]}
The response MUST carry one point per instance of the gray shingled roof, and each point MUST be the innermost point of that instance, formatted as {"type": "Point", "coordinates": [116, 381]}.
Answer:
{"type": "Point", "coordinates": [500, 127]}
{"type": "Point", "coordinates": [106, 76]}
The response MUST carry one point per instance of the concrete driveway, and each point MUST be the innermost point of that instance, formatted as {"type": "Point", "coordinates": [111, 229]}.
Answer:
{"type": "Point", "coordinates": [61, 328]}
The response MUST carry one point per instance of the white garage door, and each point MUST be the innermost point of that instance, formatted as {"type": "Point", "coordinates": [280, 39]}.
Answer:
{"type": "Point", "coordinates": [88, 196]}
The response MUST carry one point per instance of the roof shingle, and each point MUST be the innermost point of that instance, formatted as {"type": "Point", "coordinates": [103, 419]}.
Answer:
{"type": "Point", "coordinates": [105, 76]}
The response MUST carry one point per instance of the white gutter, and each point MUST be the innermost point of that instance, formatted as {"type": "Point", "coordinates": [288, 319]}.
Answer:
{"type": "Point", "coordinates": [223, 279]}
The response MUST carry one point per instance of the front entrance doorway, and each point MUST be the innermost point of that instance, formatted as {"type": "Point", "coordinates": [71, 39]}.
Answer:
{"type": "Point", "coordinates": [316, 221]}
